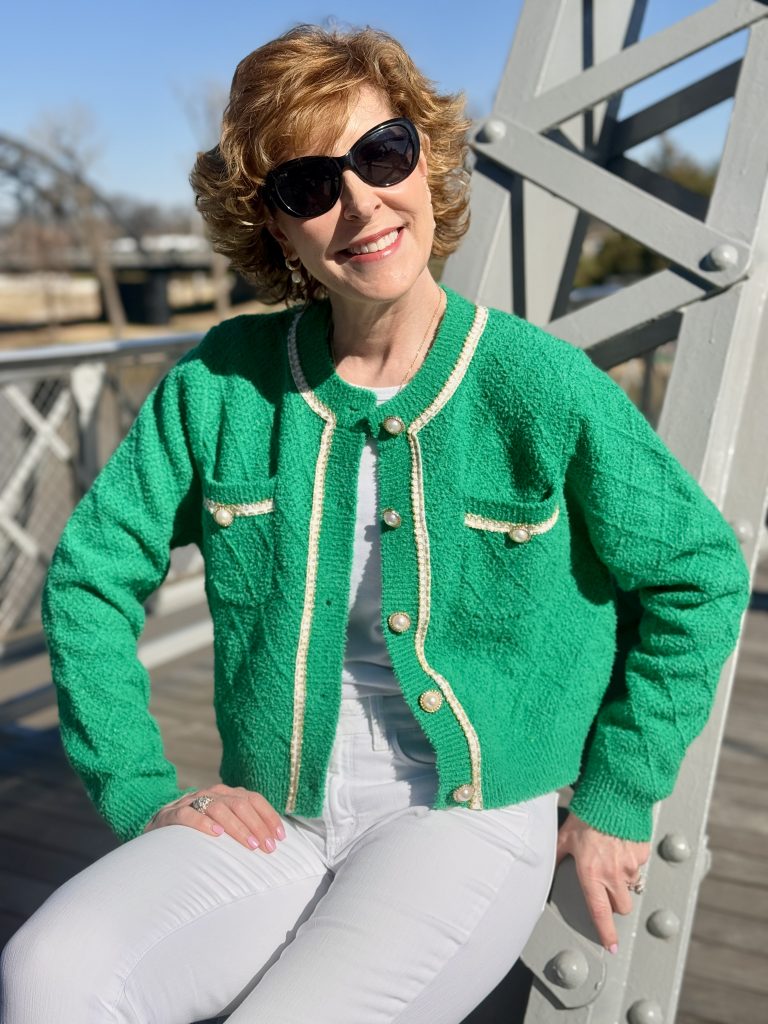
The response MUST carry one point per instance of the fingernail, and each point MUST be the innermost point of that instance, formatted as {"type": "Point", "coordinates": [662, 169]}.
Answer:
{"type": "Point", "coordinates": [252, 841]}
{"type": "Point", "coordinates": [613, 949]}
{"type": "Point", "coordinates": [216, 829]}
{"type": "Point", "coordinates": [280, 831]}
{"type": "Point", "coordinates": [270, 844]}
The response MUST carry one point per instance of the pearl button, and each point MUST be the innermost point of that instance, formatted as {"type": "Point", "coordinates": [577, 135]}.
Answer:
{"type": "Point", "coordinates": [430, 700]}
{"type": "Point", "coordinates": [520, 535]}
{"type": "Point", "coordinates": [463, 793]}
{"type": "Point", "coordinates": [391, 518]}
{"type": "Point", "coordinates": [223, 516]}
{"type": "Point", "coordinates": [399, 622]}
{"type": "Point", "coordinates": [393, 425]}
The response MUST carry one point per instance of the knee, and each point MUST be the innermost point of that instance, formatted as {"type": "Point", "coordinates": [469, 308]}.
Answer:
{"type": "Point", "coordinates": [22, 969]}
{"type": "Point", "coordinates": [51, 970]}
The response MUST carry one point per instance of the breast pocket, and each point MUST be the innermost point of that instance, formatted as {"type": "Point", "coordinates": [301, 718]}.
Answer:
{"type": "Point", "coordinates": [511, 552]}
{"type": "Point", "coordinates": [238, 542]}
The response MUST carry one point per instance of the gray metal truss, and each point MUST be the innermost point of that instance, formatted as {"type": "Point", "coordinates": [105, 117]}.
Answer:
{"type": "Point", "coordinates": [550, 157]}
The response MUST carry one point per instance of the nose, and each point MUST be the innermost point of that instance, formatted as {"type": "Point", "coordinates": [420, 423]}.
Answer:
{"type": "Point", "coordinates": [359, 201]}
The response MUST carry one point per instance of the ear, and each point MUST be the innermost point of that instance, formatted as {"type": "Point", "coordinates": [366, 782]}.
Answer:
{"type": "Point", "coordinates": [279, 236]}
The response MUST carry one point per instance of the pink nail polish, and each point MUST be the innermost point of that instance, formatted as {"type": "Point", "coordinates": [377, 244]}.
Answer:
{"type": "Point", "coordinates": [613, 949]}
{"type": "Point", "coordinates": [280, 831]}
{"type": "Point", "coordinates": [216, 829]}
{"type": "Point", "coordinates": [270, 844]}
{"type": "Point", "coordinates": [252, 841]}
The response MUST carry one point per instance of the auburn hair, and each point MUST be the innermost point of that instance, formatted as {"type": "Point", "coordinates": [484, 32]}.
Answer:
{"type": "Point", "coordinates": [297, 91]}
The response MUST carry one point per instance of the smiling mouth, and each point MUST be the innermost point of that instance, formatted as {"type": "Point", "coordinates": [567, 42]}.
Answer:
{"type": "Point", "coordinates": [376, 246]}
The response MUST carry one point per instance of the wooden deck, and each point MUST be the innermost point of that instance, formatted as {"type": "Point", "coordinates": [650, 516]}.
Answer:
{"type": "Point", "coordinates": [49, 830]}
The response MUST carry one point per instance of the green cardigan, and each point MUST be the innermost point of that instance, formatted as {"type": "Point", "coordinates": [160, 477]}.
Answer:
{"type": "Point", "coordinates": [534, 500]}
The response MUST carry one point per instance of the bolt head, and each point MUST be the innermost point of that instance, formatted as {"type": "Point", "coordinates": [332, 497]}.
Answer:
{"type": "Point", "coordinates": [663, 923]}
{"type": "Point", "coordinates": [645, 1011]}
{"type": "Point", "coordinates": [743, 530]}
{"type": "Point", "coordinates": [723, 257]}
{"type": "Point", "coordinates": [492, 131]}
{"type": "Point", "coordinates": [569, 969]}
{"type": "Point", "coordinates": [674, 847]}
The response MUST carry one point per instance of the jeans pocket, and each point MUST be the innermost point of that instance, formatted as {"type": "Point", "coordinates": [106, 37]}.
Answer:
{"type": "Point", "coordinates": [411, 745]}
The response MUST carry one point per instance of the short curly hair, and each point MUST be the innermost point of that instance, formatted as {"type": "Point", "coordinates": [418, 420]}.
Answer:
{"type": "Point", "coordinates": [298, 90]}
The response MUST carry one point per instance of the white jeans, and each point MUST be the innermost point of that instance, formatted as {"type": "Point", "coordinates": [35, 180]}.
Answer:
{"type": "Point", "coordinates": [382, 910]}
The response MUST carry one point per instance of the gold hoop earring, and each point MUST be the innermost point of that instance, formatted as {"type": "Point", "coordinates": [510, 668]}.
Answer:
{"type": "Point", "coordinates": [294, 269]}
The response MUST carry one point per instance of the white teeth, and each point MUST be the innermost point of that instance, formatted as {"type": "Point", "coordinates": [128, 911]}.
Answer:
{"type": "Point", "coordinates": [377, 246]}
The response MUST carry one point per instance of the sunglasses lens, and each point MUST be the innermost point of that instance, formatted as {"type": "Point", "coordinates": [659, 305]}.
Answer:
{"type": "Point", "coordinates": [308, 187]}
{"type": "Point", "coordinates": [386, 157]}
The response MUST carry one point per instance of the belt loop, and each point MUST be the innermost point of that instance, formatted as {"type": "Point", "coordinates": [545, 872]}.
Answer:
{"type": "Point", "coordinates": [375, 712]}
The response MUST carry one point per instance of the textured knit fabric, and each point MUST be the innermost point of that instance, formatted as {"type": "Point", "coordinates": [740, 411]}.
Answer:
{"type": "Point", "coordinates": [367, 667]}
{"type": "Point", "coordinates": [532, 495]}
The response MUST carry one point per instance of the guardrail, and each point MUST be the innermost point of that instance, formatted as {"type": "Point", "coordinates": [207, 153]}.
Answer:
{"type": "Point", "coordinates": [63, 410]}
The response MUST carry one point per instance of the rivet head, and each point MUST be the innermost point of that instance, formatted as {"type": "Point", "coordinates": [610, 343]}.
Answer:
{"type": "Point", "coordinates": [223, 516]}
{"type": "Point", "coordinates": [520, 535]}
{"type": "Point", "coordinates": [645, 1011]}
{"type": "Point", "coordinates": [399, 622]}
{"type": "Point", "coordinates": [463, 793]}
{"type": "Point", "coordinates": [743, 529]}
{"type": "Point", "coordinates": [674, 847]}
{"type": "Point", "coordinates": [569, 969]}
{"type": "Point", "coordinates": [723, 257]}
{"type": "Point", "coordinates": [393, 425]}
{"type": "Point", "coordinates": [431, 700]}
{"type": "Point", "coordinates": [663, 923]}
{"type": "Point", "coordinates": [492, 131]}
{"type": "Point", "coordinates": [391, 517]}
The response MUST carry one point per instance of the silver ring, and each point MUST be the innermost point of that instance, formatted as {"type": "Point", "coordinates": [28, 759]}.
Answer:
{"type": "Point", "coordinates": [201, 803]}
{"type": "Point", "coordinates": [638, 886]}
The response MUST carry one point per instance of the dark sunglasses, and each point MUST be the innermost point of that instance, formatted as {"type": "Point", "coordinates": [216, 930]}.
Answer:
{"type": "Point", "coordinates": [311, 185]}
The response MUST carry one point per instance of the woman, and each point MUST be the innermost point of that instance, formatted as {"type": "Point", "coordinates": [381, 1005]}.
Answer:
{"type": "Point", "coordinates": [417, 518]}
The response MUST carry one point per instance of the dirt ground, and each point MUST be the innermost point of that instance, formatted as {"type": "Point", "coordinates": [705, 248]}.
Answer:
{"type": "Point", "coordinates": [54, 309]}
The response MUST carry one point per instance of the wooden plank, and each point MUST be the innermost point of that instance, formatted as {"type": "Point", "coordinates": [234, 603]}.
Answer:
{"type": "Point", "coordinates": [29, 860]}
{"type": "Point", "coordinates": [734, 898]}
{"type": "Point", "coordinates": [727, 864]}
{"type": "Point", "coordinates": [747, 971]}
{"type": "Point", "coordinates": [740, 840]}
{"type": "Point", "coordinates": [24, 895]}
{"type": "Point", "coordinates": [720, 928]}
{"type": "Point", "coordinates": [718, 1002]}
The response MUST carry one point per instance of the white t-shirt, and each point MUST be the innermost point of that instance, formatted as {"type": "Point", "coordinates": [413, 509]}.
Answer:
{"type": "Point", "coordinates": [367, 667]}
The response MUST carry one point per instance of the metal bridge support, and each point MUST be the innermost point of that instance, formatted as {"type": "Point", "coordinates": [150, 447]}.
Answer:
{"type": "Point", "coordinates": [552, 155]}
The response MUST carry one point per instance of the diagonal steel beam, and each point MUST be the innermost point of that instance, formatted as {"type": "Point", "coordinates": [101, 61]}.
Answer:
{"type": "Point", "coordinates": [634, 305]}
{"type": "Point", "coordinates": [668, 191]}
{"type": "Point", "coordinates": [639, 61]}
{"type": "Point", "coordinates": [673, 110]}
{"type": "Point", "coordinates": [682, 239]}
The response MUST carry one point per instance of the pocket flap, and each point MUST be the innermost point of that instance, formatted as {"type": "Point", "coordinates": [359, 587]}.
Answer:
{"type": "Point", "coordinates": [226, 501]}
{"type": "Point", "coordinates": [520, 519]}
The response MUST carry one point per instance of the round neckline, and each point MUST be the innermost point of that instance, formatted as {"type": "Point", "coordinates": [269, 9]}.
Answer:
{"type": "Point", "coordinates": [354, 405]}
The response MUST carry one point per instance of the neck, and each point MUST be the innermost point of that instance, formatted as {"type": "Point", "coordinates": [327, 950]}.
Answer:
{"type": "Point", "coordinates": [374, 344]}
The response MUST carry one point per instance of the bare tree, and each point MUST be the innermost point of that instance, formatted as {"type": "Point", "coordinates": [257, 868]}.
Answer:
{"type": "Point", "coordinates": [203, 107]}
{"type": "Point", "coordinates": [68, 137]}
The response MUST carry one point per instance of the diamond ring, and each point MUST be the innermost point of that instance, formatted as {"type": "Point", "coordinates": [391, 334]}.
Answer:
{"type": "Point", "coordinates": [201, 803]}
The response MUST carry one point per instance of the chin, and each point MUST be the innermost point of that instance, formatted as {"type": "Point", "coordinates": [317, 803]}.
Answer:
{"type": "Point", "coordinates": [379, 287]}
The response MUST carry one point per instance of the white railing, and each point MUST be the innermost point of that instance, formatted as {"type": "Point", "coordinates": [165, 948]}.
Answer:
{"type": "Point", "coordinates": [63, 409]}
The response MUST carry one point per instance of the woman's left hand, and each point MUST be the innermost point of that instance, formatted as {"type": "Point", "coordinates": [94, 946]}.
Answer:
{"type": "Point", "coordinates": [606, 866]}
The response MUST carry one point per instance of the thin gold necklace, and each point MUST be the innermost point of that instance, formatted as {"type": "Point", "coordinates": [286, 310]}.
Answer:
{"type": "Point", "coordinates": [418, 350]}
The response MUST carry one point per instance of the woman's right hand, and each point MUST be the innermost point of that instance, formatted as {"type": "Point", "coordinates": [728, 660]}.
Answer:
{"type": "Point", "coordinates": [241, 813]}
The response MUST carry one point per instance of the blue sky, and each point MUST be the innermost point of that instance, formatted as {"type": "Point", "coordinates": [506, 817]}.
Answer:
{"type": "Point", "coordinates": [131, 65]}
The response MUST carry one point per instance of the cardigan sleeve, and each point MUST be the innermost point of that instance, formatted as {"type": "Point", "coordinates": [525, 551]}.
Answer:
{"type": "Point", "coordinates": [113, 553]}
{"type": "Point", "coordinates": [669, 548]}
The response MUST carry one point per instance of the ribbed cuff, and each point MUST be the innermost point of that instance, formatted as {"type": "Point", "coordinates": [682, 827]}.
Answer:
{"type": "Point", "coordinates": [608, 807]}
{"type": "Point", "coordinates": [128, 809]}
